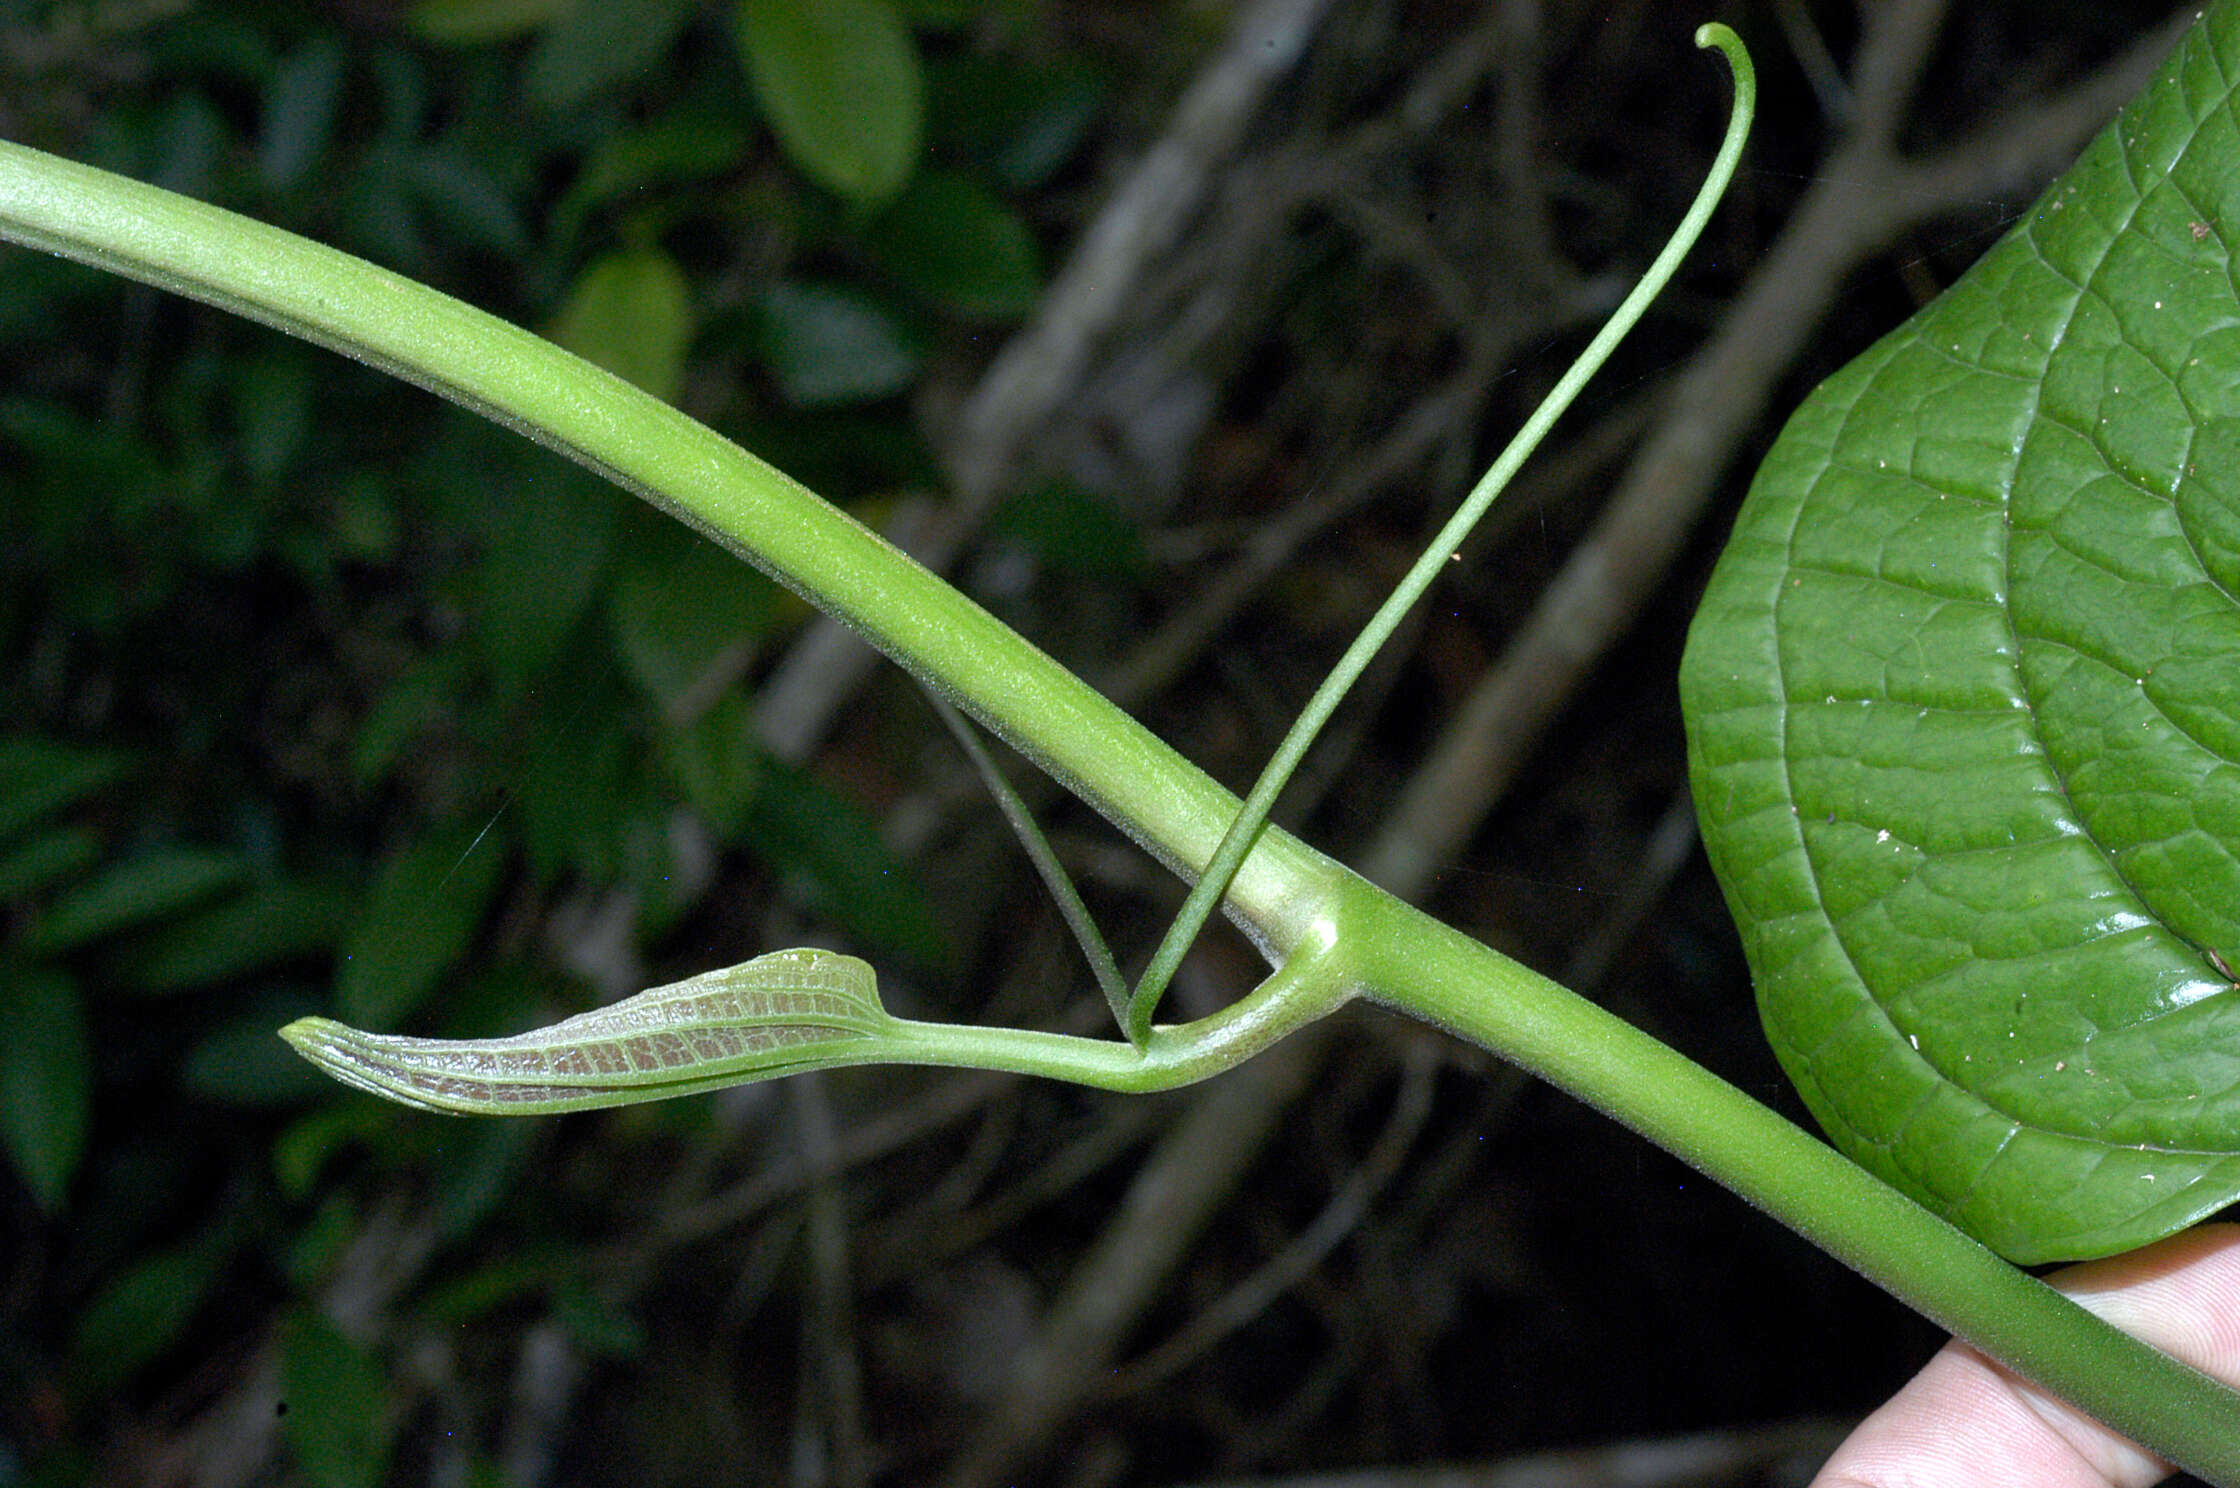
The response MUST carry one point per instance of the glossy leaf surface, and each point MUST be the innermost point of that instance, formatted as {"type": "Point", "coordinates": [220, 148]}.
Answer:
{"type": "Point", "coordinates": [1964, 710]}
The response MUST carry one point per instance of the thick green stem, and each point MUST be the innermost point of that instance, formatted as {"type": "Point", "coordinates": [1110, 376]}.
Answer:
{"type": "Point", "coordinates": [685, 468]}
{"type": "Point", "coordinates": [1420, 967]}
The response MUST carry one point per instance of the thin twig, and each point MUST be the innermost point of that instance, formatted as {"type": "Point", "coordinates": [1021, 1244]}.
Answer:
{"type": "Point", "coordinates": [1046, 864]}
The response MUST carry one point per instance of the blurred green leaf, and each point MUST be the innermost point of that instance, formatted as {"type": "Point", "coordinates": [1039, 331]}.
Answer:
{"type": "Point", "coordinates": [494, 1284]}
{"type": "Point", "coordinates": [378, 216]}
{"type": "Point", "coordinates": [831, 851]}
{"type": "Point", "coordinates": [1074, 531]}
{"type": "Point", "coordinates": [593, 45]}
{"type": "Point", "coordinates": [480, 22]}
{"type": "Point", "coordinates": [189, 141]}
{"type": "Point", "coordinates": [661, 867]}
{"type": "Point", "coordinates": [36, 290]}
{"type": "Point", "coordinates": [426, 691]}
{"type": "Point", "coordinates": [300, 105]}
{"type": "Point", "coordinates": [157, 882]}
{"type": "Point", "coordinates": [1018, 121]}
{"type": "Point", "coordinates": [716, 763]}
{"type": "Point", "coordinates": [301, 1152]}
{"type": "Point", "coordinates": [459, 193]}
{"type": "Point", "coordinates": [846, 450]}
{"type": "Point", "coordinates": [418, 922]}
{"type": "Point", "coordinates": [950, 239]}
{"type": "Point", "coordinates": [361, 516]}
{"type": "Point", "coordinates": [598, 1325]}
{"type": "Point", "coordinates": [579, 775]}
{"type": "Point", "coordinates": [680, 145]}
{"type": "Point", "coordinates": [46, 858]}
{"type": "Point", "coordinates": [272, 393]}
{"type": "Point", "coordinates": [318, 1244]}
{"type": "Point", "coordinates": [404, 82]}
{"type": "Point", "coordinates": [336, 1404]}
{"type": "Point", "coordinates": [66, 1465]}
{"type": "Point", "coordinates": [207, 41]}
{"type": "Point", "coordinates": [827, 849]}
{"type": "Point", "coordinates": [547, 548]}
{"type": "Point", "coordinates": [46, 1078]}
{"type": "Point", "coordinates": [475, 1169]}
{"type": "Point", "coordinates": [66, 454]}
{"type": "Point", "coordinates": [39, 777]}
{"type": "Point", "coordinates": [138, 1316]}
{"type": "Point", "coordinates": [680, 605]}
{"type": "Point", "coordinates": [631, 313]}
{"type": "Point", "coordinates": [829, 344]}
{"type": "Point", "coordinates": [506, 995]}
{"type": "Point", "coordinates": [270, 924]}
{"type": "Point", "coordinates": [841, 85]}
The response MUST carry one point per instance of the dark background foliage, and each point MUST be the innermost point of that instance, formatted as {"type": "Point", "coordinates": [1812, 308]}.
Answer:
{"type": "Point", "coordinates": [319, 694]}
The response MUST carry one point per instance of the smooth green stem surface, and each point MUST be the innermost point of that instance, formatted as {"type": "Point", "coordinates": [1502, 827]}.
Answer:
{"type": "Point", "coordinates": [1418, 966]}
{"type": "Point", "coordinates": [1245, 829]}
{"type": "Point", "coordinates": [1317, 978]}
{"type": "Point", "coordinates": [595, 418]}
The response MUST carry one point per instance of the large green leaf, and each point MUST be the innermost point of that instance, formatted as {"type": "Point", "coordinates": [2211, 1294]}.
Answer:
{"type": "Point", "coordinates": [1964, 708]}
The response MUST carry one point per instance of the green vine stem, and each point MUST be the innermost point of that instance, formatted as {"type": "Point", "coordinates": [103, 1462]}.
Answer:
{"type": "Point", "coordinates": [1331, 932]}
{"type": "Point", "coordinates": [1238, 840]}
{"type": "Point", "coordinates": [952, 645]}
{"type": "Point", "coordinates": [1430, 971]}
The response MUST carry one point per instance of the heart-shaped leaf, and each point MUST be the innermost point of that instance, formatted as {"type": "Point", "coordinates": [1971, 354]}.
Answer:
{"type": "Point", "coordinates": [1964, 710]}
